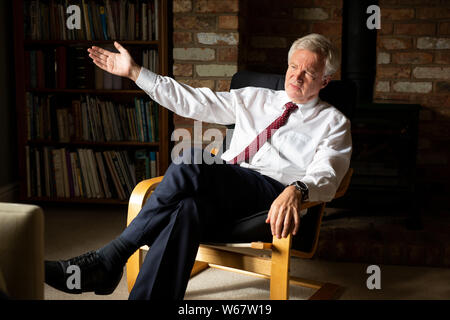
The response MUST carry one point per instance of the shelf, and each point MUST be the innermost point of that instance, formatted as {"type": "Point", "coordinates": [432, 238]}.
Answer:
{"type": "Point", "coordinates": [129, 144]}
{"type": "Point", "coordinates": [87, 91]}
{"type": "Point", "coordinates": [89, 43]}
{"type": "Point", "coordinates": [75, 200]}
{"type": "Point", "coordinates": [33, 56]}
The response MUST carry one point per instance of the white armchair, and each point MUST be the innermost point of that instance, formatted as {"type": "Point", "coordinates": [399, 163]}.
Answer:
{"type": "Point", "coordinates": [21, 251]}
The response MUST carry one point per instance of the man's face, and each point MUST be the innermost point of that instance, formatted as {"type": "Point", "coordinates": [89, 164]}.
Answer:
{"type": "Point", "coordinates": [305, 76]}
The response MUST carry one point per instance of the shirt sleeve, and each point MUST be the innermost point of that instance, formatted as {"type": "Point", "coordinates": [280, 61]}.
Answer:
{"type": "Point", "coordinates": [330, 162]}
{"type": "Point", "coordinates": [196, 103]}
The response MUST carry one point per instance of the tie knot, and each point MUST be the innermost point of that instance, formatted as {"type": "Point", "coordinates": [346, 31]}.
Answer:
{"type": "Point", "coordinates": [290, 106]}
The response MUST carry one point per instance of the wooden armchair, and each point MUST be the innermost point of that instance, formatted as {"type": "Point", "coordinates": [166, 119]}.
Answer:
{"type": "Point", "coordinates": [254, 259]}
{"type": "Point", "coordinates": [225, 256]}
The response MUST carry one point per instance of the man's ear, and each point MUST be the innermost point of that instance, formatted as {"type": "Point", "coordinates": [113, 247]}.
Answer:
{"type": "Point", "coordinates": [325, 81]}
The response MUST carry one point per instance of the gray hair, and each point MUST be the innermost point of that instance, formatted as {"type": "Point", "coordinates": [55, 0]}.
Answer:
{"type": "Point", "coordinates": [319, 44]}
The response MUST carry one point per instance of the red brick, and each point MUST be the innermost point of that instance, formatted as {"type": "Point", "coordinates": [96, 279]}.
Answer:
{"type": "Point", "coordinates": [182, 6]}
{"type": "Point", "coordinates": [419, 2]}
{"type": "Point", "coordinates": [182, 69]}
{"type": "Point", "coordinates": [395, 43]}
{"type": "Point", "coordinates": [327, 28]}
{"type": "Point", "coordinates": [267, 9]}
{"type": "Point", "coordinates": [443, 86]}
{"type": "Point", "coordinates": [196, 83]}
{"type": "Point", "coordinates": [276, 27]}
{"type": "Point", "coordinates": [415, 28]}
{"type": "Point", "coordinates": [433, 13]}
{"type": "Point", "coordinates": [439, 73]}
{"type": "Point", "coordinates": [182, 37]}
{"type": "Point", "coordinates": [216, 6]}
{"type": "Point", "coordinates": [433, 43]}
{"type": "Point", "coordinates": [396, 14]}
{"type": "Point", "coordinates": [302, 3]}
{"type": "Point", "coordinates": [223, 85]}
{"type": "Point", "coordinates": [328, 3]}
{"type": "Point", "coordinates": [392, 72]}
{"type": "Point", "coordinates": [228, 22]}
{"type": "Point", "coordinates": [444, 28]}
{"type": "Point", "coordinates": [337, 14]}
{"type": "Point", "coordinates": [227, 54]}
{"type": "Point", "coordinates": [182, 121]}
{"type": "Point", "coordinates": [383, 3]}
{"type": "Point", "coordinates": [310, 14]}
{"type": "Point", "coordinates": [412, 58]}
{"type": "Point", "coordinates": [442, 57]}
{"type": "Point", "coordinates": [386, 28]}
{"type": "Point", "coordinates": [413, 87]}
{"type": "Point", "coordinates": [399, 97]}
{"type": "Point", "coordinates": [194, 22]}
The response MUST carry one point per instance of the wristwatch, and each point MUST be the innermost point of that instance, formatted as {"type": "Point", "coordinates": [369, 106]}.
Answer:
{"type": "Point", "coordinates": [303, 188]}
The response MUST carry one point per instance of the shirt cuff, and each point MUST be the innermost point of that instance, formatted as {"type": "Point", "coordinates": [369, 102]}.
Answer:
{"type": "Point", "coordinates": [313, 193]}
{"type": "Point", "coordinates": [146, 80]}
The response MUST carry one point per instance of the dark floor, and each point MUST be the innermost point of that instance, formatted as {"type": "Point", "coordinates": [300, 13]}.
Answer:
{"type": "Point", "coordinates": [385, 239]}
{"type": "Point", "coordinates": [71, 230]}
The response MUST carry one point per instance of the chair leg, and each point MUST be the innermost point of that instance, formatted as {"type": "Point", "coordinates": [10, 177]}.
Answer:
{"type": "Point", "coordinates": [134, 264]}
{"type": "Point", "coordinates": [279, 275]}
{"type": "Point", "coordinates": [198, 267]}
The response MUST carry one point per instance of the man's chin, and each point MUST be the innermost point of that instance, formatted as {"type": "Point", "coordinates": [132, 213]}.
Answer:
{"type": "Point", "coordinates": [295, 96]}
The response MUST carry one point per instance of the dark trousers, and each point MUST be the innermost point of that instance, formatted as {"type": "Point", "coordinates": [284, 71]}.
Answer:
{"type": "Point", "coordinates": [195, 203]}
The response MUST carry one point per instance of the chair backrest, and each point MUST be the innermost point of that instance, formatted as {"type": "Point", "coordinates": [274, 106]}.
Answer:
{"type": "Point", "coordinates": [339, 93]}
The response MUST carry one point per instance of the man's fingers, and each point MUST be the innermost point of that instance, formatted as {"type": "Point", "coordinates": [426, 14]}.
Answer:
{"type": "Point", "coordinates": [119, 47]}
{"type": "Point", "coordinates": [279, 222]}
{"type": "Point", "coordinates": [98, 55]}
{"type": "Point", "coordinates": [100, 64]}
{"type": "Point", "coordinates": [268, 216]}
{"type": "Point", "coordinates": [99, 50]}
{"type": "Point", "coordinates": [296, 222]}
{"type": "Point", "coordinates": [287, 224]}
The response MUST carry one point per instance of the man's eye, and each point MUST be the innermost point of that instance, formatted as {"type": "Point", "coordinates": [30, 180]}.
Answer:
{"type": "Point", "coordinates": [312, 76]}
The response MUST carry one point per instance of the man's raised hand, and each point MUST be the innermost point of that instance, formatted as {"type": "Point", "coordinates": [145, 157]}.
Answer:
{"type": "Point", "coordinates": [120, 64]}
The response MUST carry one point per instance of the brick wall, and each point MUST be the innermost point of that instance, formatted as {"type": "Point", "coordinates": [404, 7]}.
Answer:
{"type": "Point", "coordinates": [205, 48]}
{"type": "Point", "coordinates": [269, 27]}
{"type": "Point", "coordinates": [209, 36]}
{"type": "Point", "coordinates": [413, 65]}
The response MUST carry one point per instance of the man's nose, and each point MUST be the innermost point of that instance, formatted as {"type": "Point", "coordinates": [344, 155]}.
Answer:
{"type": "Point", "coordinates": [299, 75]}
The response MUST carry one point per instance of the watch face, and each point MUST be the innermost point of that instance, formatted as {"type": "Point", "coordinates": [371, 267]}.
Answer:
{"type": "Point", "coordinates": [301, 185]}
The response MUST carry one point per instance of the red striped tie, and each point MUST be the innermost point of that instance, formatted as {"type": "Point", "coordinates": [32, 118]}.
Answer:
{"type": "Point", "coordinates": [254, 146]}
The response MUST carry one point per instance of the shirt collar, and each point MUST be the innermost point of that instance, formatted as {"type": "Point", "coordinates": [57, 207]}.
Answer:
{"type": "Point", "coordinates": [304, 109]}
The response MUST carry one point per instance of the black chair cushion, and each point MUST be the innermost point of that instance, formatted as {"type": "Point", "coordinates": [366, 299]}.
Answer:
{"type": "Point", "coordinates": [339, 93]}
{"type": "Point", "coordinates": [342, 95]}
{"type": "Point", "coordinates": [254, 228]}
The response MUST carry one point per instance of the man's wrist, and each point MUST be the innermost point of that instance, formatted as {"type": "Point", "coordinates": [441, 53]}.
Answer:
{"type": "Point", "coordinates": [135, 70]}
{"type": "Point", "coordinates": [302, 188]}
{"type": "Point", "coordinates": [295, 190]}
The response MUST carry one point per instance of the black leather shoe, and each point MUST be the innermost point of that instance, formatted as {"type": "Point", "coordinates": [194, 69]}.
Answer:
{"type": "Point", "coordinates": [93, 275]}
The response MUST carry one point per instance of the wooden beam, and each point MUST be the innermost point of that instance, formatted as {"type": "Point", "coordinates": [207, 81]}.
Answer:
{"type": "Point", "coordinates": [198, 267]}
{"type": "Point", "coordinates": [234, 260]}
{"type": "Point", "coordinates": [279, 274]}
{"type": "Point", "coordinates": [327, 292]}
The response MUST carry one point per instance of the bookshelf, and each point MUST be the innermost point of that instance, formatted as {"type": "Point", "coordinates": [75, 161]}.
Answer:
{"type": "Point", "coordinates": [85, 136]}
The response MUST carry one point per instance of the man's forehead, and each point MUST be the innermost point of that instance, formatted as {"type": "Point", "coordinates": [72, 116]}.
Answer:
{"type": "Point", "coordinates": [310, 58]}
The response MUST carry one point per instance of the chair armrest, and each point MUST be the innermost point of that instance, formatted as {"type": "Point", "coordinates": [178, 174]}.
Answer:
{"type": "Point", "coordinates": [140, 195]}
{"type": "Point", "coordinates": [344, 184]}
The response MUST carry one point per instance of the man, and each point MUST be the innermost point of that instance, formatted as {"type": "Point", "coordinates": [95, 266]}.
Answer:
{"type": "Point", "coordinates": [288, 146]}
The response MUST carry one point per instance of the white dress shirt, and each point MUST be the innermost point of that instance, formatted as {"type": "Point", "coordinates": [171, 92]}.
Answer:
{"type": "Point", "coordinates": [314, 145]}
